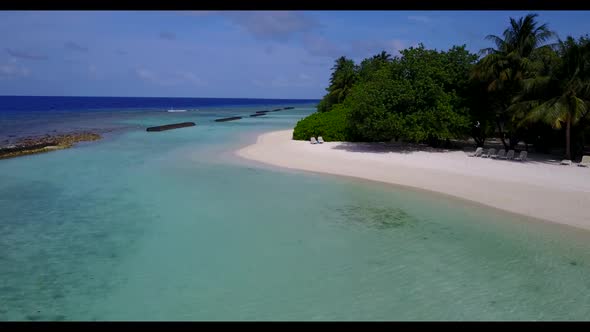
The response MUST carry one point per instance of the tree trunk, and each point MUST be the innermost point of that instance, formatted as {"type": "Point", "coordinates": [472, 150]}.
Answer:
{"type": "Point", "coordinates": [479, 142]}
{"type": "Point", "coordinates": [501, 134]}
{"type": "Point", "coordinates": [513, 141]}
{"type": "Point", "coordinates": [567, 138]}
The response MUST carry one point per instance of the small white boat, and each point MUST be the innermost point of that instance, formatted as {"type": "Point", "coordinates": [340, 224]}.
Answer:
{"type": "Point", "coordinates": [175, 111]}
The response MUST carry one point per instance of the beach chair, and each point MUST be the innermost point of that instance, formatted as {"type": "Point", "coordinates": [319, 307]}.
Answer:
{"type": "Point", "coordinates": [585, 162]}
{"type": "Point", "coordinates": [510, 155]}
{"type": "Point", "coordinates": [566, 162]}
{"type": "Point", "coordinates": [490, 153]}
{"type": "Point", "coordinates": [320, 139]}
{"type": "Point", "coordinates": [313, 140]}
{"type": "Point", "coordinates": [501, 154]}
{"type": "Point", "coordinates": [522, 156]}
{"type": "Point", "coordinates": [477, 152]}
{"type": "Point", "coordinates": [494, 154]}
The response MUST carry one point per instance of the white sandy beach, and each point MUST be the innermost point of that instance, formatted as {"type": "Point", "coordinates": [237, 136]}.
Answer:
{"type": "Point", "coordinates": [539, 189]}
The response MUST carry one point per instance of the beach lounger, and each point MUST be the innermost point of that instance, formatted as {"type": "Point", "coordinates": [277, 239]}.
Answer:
{"type": "Point", "coordinates": [566, 162]}
{"type": "Point", "coordinates": [510, 155]}
{"type": "Point", "coordinates": [585, 162]}
{"type": "Point", "coordinates": [313, 140]}
{"type": "Point", "coordinates": [522, 156]}
{"type": "Point", "coordinates": [494, 154]}
{"type": "Point", "coordinates": [501, 154]}
{"type": "Point", "coordinates": [320, 139]}
{"type": "Point", "coordinates": [490, 153]}
{"type": "Point", "coordinates": [477, 152]}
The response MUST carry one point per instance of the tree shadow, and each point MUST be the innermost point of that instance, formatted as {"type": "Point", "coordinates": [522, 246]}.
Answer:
{"type": "Point", "coordinates": [389, 147]}
{"type": "Point", "coordinates": [455, 146]}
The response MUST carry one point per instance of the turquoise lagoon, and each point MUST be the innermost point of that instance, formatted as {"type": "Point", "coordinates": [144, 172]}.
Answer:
{"type": "Point", "coordinates": [173, 226]}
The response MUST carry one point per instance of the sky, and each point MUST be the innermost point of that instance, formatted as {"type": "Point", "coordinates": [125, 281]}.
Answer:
{"type": "Point", "coordinates": [224, 54]}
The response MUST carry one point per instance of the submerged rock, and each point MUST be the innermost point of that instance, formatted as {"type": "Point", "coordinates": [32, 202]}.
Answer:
{"type": "Point", "coordinates": [32, 145]}
{"type": "Point", "coordinates": [228, 119]}
{"type": "Point", "coordinates": [171, 126]}
{"type": "Point", "coordinates": [376, 217]}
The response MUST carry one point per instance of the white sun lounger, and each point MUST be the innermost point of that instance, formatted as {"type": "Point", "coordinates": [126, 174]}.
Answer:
{"type": "Point", "coordinates": [313, 140]}
{"type": "Point", "coordinates": [320, 139]}
{"type": "Point", "coordinates": [510, 155]}
{"type": "Point", "coordinates": [477, 152]}
{"type": "Point", "coordinates": [522, 156]}
{"type": "Point", "coordinates": [501, 154]}
{"type": "Point", "coordinates": [491, 152]}
{"type": "Point", "coordinates": [585, 161]}
{"type": "Point", "coordinates": [566, 162]}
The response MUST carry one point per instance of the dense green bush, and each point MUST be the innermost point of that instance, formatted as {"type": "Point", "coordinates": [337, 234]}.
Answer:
{"type": "Point", "coordinates": [413, 98]}
{"type": "Point", "coordinates": [330, 125]}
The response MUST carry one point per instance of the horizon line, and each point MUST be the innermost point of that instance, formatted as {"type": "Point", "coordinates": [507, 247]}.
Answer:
{"type": "Point", "coordinates": [257, 98]}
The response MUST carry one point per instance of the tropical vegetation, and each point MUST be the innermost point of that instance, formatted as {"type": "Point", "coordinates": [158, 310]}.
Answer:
{"type": "Point", "coordinates": [530, 87]}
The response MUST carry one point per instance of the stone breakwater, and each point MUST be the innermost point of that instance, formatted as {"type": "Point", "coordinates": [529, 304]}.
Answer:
{"type": "Point", "coordinates": [32, 145]}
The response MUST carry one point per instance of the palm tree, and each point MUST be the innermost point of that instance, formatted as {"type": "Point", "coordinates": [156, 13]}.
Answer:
{"type": "Point", "coordinates": [521, 38]}
{"type": "Point", "coordinates": [505, 67]}
{"type": "Point", "coordinates": [343, 77]}
{"type": "Point", "coordinates": [563, 96]}
{"type": "Point", "coordinates": [383, 56]}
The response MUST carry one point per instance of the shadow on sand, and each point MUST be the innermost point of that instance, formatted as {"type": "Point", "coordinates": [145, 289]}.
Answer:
{"type": "Point", "coordinates": [455, 146]}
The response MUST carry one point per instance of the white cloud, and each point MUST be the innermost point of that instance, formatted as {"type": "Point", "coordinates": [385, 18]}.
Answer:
{"type": "Point", "coordinates": [191, 78]}
{"type": "Point", "coordinates": [167, 35]}
{"type": "Point", "coordinates": [366, 48]}
{"type": "Point", "coordinates": [321, 46]}
{"type": "Point", "coordinates": [94, 72]}
{"type": "Point", "coordinates": [13, 70]}
{"type": "Point", "coordinates": [169, 79]}
{"type": "Point", "coordinates": [304, 77]}
{"type": "Point", "coordinates": [419, 18]}
{"type": "Point", "coordinates": [73, 46]}
{"type": "Point", "coordinates": [26, 55]}
{"type": "Point", "coordinates": [267, 25]}
{"type": "Point", "coordinates": [146, 74]}
{"type": "Point", "coordinates": [298, 81]}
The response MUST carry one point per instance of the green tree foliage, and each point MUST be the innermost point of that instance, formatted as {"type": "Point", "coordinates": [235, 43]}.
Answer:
{"type": "Point", "coordinates": [416, 97]}
{"type": "Point", "coordinates": [344, 75]}
{"type": "Point", "coordinates": [561, 97]}
{"type": "Point", "coordinates": [330, 125]}
{"type": "Point", "coordinates": [371, 107]}
{"type": "Point", "coordinates": [505, 67]}
{"type": "Point", "coordinates": [370, 66]}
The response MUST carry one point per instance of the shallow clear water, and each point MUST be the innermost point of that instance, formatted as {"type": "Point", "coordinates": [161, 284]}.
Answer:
{"type": "Point", "coordinates": [171, 226]}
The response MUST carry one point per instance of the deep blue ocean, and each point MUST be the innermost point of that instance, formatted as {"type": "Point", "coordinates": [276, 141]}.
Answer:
{"type": "Point", "coordinates": [51, 103]}
{"type": "Point", "coordinates": [23, 116]}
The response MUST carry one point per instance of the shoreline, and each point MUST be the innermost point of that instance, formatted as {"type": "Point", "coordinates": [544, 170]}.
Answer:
{"type": "Point", "coordinates": [536, 189]}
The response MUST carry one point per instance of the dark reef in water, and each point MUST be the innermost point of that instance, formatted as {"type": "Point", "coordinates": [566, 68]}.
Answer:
{"type": "Point", "coordinates": [32, 145]}
{"type": "Point", "coordinates": [171, 126]}
{"type": "Point", "coordinates": [228, 119]}
{"type": "Point", "coordinates": [376, 217]}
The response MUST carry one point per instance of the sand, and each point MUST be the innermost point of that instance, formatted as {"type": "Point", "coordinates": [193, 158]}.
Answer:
{"type": "Point", "coordinates": [537, 188]}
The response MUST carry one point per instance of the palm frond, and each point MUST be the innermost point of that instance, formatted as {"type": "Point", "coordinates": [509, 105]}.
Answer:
{"type": "Point", "coordinates": [539, 110]}
{"type": "Point", "coordinates": [499, 42]}
{"type": "Point", "coordinates": [535, 85]}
